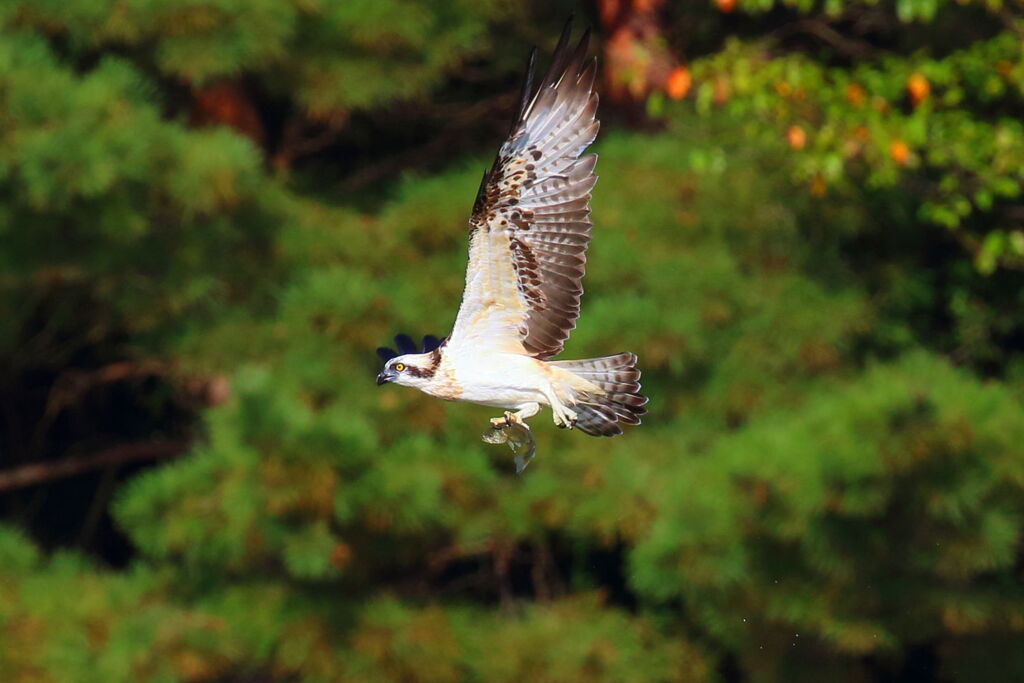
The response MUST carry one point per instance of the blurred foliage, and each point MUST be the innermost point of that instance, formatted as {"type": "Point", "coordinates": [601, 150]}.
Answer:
{"type": "Point", "coordinates": [122, 627]}
{"type": "Point", "coordinates": [324, 56]}
{"type": "Point", "coordinates": [830, 481]}
{"type": "Point", "coordinates": [938, 117]}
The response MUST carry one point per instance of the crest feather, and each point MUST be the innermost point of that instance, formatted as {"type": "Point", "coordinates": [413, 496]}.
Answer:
{"type": "Point", "coordinates": [406, 345]}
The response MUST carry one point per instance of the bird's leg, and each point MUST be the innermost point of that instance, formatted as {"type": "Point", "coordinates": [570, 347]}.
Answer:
{"type": "Point", "coordinates": [525, 412]}
{"type": "Point", "coordinates": [564, 416]}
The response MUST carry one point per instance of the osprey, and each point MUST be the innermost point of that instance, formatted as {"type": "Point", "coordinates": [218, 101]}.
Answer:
{"type": "Point", "coordinates": [528, 238]}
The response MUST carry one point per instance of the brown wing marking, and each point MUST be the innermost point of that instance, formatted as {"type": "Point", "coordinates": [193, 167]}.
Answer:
{"type": "Point", "coordinates": [534, 201]}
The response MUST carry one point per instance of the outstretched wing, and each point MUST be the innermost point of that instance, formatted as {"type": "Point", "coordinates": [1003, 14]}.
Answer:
{"type": "Point", "coordinates": [531, 222]}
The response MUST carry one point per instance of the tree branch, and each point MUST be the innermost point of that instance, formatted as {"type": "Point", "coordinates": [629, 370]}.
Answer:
{"type": "Point", "coordinates": [851, 47]}
{"type": "Point", "coordinates": [41, 473]}
{"type": "Point", "coordinates": [302, 139]}
{"type": "Point", "coordinates": [373, 173]}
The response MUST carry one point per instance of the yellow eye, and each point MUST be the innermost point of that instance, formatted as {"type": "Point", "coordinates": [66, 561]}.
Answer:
{"type": "Point", "coordinates": [399, 366]}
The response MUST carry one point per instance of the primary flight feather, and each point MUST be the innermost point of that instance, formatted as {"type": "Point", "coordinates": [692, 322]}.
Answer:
{"type": "Point", "coordinates": [528, 238]}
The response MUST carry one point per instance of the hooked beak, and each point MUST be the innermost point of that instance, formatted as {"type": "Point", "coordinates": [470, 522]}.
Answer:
{"type": "Point", "coordinates": [384, 376]}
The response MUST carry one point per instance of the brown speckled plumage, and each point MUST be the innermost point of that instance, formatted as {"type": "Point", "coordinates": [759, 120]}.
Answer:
{"type": "Point", "coordinates": [528, 238]}
{"type": "Point", "coordinates": [535, 199]}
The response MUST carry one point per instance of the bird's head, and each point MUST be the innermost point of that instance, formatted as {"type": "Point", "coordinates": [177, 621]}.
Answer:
{"type": "Point", "coordinates": [410, 369]}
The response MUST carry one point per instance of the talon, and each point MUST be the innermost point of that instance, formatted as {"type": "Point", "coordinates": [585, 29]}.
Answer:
{"type": "Point", "coordinates": [499, 422]}
{"type": "Point", "coordinates": [566, 420]}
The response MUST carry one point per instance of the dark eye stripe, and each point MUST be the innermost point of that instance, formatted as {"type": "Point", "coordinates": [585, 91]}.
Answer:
{"type": "Point", "coordinates": [427, 372]}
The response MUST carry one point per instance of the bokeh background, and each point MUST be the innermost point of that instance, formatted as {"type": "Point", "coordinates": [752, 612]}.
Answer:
{"type": "Point", "coordinates": [809, 226]}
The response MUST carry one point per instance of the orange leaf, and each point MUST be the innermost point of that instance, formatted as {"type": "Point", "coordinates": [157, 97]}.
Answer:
{"type": "Point", "coordinates": [855, 95]}
{"type": "Point", "coordinates": [918, 88]}
{"type": "Point", "coordinates": [797, 137]}
{"type": "Point", "coordinates": [899, 152]}
{"type": "Point", "coordinates": [678, 83]}
{"type": "Point", "coordinates": [341, 554]}
{"type": "Point", "coordinates": [721, 90]}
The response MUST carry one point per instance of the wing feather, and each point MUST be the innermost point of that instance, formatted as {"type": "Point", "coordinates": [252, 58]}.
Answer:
{"type": "Point", "coordinates": [530, 226]}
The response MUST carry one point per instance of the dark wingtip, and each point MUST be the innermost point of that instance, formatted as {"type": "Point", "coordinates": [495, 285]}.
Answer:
{"type": "Point", "coordinates": [584, 45]}
{"type": "Point", "coordinates": [566, 31]}
{"type": "Point", "coordinates": [585, 38]}
{"type": "Point", "coordinates": [405, 344]}
{"type": "Point", "coordinates": [430, 342]}
{"type": "Point", "coordinates": [562, 60]}
{"type": "Point", "coordinates": [566, 58]}
{"type": "Point", "coordinates": [481, 193]}
{"type": "Point", "coordinates": [577, 63]}
{"type": "Point", "coordinates": [559, 56]}
{"type": "Point", "coordinates": [527, 93]}
{"type": "Point", "coordinates": [385, 353]}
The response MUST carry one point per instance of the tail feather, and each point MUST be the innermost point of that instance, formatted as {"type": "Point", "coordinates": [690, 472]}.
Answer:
{"type": "Point", "coordinates": [597, 420]}
{"type": "Point", "coordinates": [616, 398]}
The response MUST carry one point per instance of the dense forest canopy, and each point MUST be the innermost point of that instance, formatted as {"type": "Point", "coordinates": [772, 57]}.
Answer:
{"type": "Point", "coordinates": [809, 225]}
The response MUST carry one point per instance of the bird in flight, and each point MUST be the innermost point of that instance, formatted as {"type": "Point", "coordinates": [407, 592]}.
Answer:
{"type": "Point", "coordinates": [528, 237]}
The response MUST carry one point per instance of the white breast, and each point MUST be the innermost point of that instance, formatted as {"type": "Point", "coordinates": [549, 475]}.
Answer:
{"type": "Point", "coordinates": [498, 379]}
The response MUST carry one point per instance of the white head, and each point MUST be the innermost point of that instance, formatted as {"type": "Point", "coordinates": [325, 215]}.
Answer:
{"type": "Point", "coordinates": [410, 370]}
